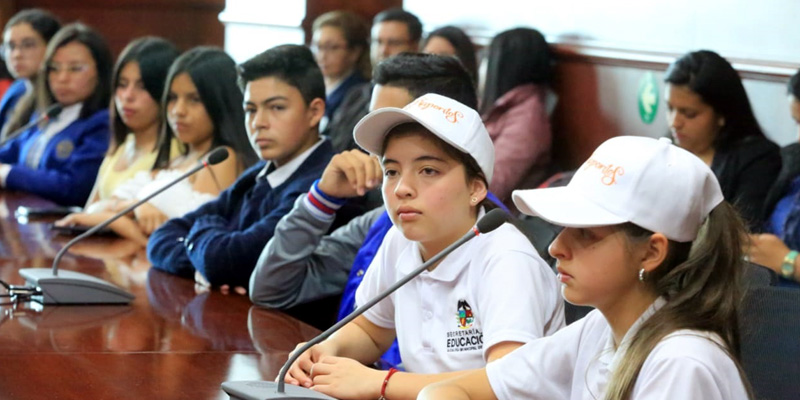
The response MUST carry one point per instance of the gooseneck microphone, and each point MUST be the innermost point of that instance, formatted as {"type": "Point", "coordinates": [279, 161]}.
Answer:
{"type": "Point", "coordinates": [258, 390]}
{"type": "Point", "coordinates": [50, 113]}
{"type": "Point", "coordinates": [71, 287]}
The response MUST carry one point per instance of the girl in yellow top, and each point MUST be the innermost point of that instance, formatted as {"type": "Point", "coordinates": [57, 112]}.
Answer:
{"type": "Point", "coordinates": [139, 81]}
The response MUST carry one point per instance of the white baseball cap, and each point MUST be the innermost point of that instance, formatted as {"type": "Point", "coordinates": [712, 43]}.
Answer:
{"type": "Point", "coordinates": [453, 122]}
{"type": "Point", "coordinates": [649, 182]}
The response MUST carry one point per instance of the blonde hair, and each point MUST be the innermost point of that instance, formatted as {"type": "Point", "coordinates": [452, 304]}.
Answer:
{"type": "Point", "coordinates": [701, 281]}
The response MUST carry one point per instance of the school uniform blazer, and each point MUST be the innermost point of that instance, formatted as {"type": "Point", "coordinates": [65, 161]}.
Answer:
{"type": "Point", "coordinates": [354, 106]}
{"type": "Point", "coordinates": [68, 166]}
{"type": "Point", "coordinates": [10, 99]}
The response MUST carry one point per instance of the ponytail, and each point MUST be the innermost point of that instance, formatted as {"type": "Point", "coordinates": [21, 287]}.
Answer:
{"type": "Point", "coordinates": [701, 281]}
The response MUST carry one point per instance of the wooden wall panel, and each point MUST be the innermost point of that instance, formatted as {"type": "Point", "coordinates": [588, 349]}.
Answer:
{"type": "Point", "coordinates": [187, 23]}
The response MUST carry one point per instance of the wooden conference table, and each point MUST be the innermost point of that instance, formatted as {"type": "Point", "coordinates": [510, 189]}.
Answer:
{"type": "Point", "coordinates": [174, 341]}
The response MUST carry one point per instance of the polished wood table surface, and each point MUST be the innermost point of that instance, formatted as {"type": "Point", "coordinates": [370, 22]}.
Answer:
{"type": "Point", "coordinates": [175, 341]}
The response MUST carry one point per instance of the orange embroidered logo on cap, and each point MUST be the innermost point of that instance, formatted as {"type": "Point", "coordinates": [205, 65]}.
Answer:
{"type": "Point", "coordinates": [450, 115]}
{"type": "Point", "coordinates": [609, 171]}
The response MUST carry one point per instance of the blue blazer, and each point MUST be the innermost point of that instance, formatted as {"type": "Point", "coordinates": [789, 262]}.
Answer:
{"type": "Point", "coordinates": [69, 163]}
{"type": "Point", "coordinates": [10, 99]}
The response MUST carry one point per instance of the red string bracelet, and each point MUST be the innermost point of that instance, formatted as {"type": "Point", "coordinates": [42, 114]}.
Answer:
{"type": "Point", "coordinates": [386, 382]}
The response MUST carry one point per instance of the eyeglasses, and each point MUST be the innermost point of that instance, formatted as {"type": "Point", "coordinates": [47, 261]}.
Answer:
{"type": "Point", "coordinates": [327, 48]}
{"type": "Point", "coordinates": [390, 42]}
{"type": "Point", "coordinates": [70, 68]}
{"type": "Point", "coordinates": [25, 46]}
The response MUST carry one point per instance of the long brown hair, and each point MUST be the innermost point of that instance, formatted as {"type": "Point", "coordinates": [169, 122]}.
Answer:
{"type": "Point", "coordinates": [42, 97]}
{"type": "Point", "coordinates": [701, 281]}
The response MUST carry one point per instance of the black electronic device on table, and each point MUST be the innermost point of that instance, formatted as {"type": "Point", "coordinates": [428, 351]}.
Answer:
{"type": "Point", "coordinates": [43, 212]}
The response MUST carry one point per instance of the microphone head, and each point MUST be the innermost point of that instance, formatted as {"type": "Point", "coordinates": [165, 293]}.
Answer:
{"type": "Point", "coordinates": [54, 110]}
{"type": "Point", "coordinates": [217, 156]}
{"type": "Point", "coordinates": [492, 220]}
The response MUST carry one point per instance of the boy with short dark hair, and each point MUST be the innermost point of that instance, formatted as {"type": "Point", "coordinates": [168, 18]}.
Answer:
{"type": "Point", "coordinates": [220, 242]}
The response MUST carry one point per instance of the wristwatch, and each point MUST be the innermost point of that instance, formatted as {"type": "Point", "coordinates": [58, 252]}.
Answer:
{"type": "Point", "coordinates": [787, 268]}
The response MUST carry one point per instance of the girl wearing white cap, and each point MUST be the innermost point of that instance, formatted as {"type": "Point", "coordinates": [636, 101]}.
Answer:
{"type": "Point", "coordinates": [480, 302]}
{"type": "Point", "coordinates": [649, 242]}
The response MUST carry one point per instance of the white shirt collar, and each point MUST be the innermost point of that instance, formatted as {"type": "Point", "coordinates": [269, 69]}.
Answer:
{"type": "Point", "coordinates": [70, 112]}
{"type": "Point", "coordinates": [64, 119]}
{"type": "Point", "coordinates": [280, 174]}
{"type": "Point", "coordinates": [612, 353]}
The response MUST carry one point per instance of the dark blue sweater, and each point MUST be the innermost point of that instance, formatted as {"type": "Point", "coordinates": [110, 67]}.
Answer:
{"type": "Point", "coordinates": [223, 238]}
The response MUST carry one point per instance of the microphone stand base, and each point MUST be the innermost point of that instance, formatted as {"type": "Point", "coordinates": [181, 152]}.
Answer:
{"type": "Point", "coordinates": [262, 390]}
{"type": "Point", "coordinates": [71, 287]}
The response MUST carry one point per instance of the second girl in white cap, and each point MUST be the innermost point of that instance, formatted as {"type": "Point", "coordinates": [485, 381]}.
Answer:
{"type": "Point", "coordinates": [480, 302]}
{"type": "Point", "coordinates": [649, 242]}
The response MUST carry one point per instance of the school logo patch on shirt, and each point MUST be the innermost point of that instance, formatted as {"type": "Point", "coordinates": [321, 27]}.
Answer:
{"type": "Point", "coordinates": [64, 149]}
{"type": "Point", "coordinates": [464, 315]}
{"type": "Point", "coordinates": [466, 337]}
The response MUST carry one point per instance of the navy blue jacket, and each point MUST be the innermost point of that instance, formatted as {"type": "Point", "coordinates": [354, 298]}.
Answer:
{"type": "Point", "coordinates": [10, 99]}
{"type": "Point", "coordinates": [69, 163]}
{"type": "Point", "coordinates": [224, 238]}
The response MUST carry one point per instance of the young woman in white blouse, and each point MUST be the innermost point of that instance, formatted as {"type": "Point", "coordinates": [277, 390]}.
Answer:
{"type": "Point", "coordinates": [650, 242]}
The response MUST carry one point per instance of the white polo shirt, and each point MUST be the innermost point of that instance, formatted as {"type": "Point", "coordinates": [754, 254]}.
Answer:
{"type": "Point", "coordinates": [494, 288]}
{"type": "Point", "coordinates": [578, 361]}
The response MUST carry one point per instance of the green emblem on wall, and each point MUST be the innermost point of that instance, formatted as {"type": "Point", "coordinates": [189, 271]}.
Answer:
{"type": "Point", "coordinates": [648, 98]}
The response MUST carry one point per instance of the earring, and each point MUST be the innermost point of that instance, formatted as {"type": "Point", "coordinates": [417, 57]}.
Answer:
{"type": "Point", "coordinates": [641, 275]}
{"type": "Point", "coordinates": [474, 200]}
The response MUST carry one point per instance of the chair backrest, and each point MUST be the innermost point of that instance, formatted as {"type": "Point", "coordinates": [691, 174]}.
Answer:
{"type": "Point", "coordinates": [769, 321]}
{"type": "Point", "coordinates": [541, 233]}
{"type": "Point", "coordinates": [757, 275]}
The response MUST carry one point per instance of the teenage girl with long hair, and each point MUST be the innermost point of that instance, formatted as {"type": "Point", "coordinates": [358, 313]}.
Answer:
{"type": "Point", "coordinates": [649, 241]}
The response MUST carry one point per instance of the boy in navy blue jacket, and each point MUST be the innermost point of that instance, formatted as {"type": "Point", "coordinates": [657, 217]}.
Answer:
{"type": "Point", "coordinates": [219, 243]}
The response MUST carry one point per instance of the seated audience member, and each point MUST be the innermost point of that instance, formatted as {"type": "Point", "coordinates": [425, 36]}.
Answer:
{"type": "Point", "coordinates": [436, 176]}
{"type": "Point", "coordinates": [664, 281]}
{"type": "Point", "coordinates": [452, 41]}
{"type": "Point", "coordinates": [341, 46]}
{"type": "Point", "coordinates": [301, 263]}
{"type": "Point", "coordinates": [394, 31]}
{"type": "Point", "coordinates": [220, 242]}
{"type": "Point", "coordinates": [25, 40]}
{"type": "Point", "coordinates": [5, 78]}
{"type": "Point", "coordinates": [138, 80]}
{"type": "Point", "coordinates": [201, 116]}
{"type": "Point", "coordinates": [58, 160]}
{"type": "Point", "coordinates": [514, 94]}
{"type": "Point", "coordinates": [709, 114]}
{"type": "Point", "coordinates": [777, 249]}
